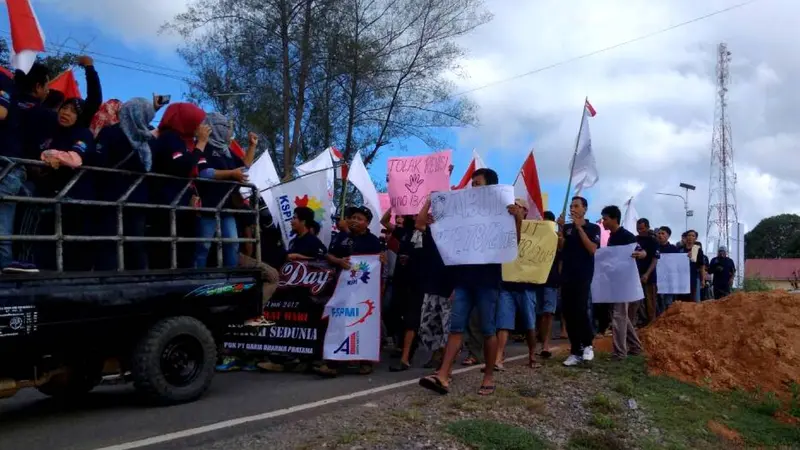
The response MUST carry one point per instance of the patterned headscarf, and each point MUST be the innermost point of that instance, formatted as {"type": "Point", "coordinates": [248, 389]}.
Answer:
{"type": "Point", "coordinates": [134, 119]}
{"type": "Point", "coordinates": [107, 115]}
{"type": "Point", "coordinates": [220, 132]}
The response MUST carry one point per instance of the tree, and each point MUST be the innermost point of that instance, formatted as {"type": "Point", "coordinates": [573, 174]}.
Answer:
{"type": "Point", "coordinates": [774, 237]}
{"type": "Point", "coordinates": [357, 73]}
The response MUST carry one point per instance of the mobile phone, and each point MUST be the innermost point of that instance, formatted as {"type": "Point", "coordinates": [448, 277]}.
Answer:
{"type": "Point", "coordinates": [163, 99]}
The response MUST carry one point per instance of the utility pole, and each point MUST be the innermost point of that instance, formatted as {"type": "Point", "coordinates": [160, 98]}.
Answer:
{"type": "Point", "coordinates": [687, 212]}
{"type": "Point", "coordinates": [722, 209]}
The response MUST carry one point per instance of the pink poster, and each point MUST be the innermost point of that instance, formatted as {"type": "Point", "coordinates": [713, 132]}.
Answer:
{"type": "Point", "coordinates": [386, 203]}
{"type": "Point", "coordinates": [604, 234]}
{"type": "Point", "coordinates": [412, 178]}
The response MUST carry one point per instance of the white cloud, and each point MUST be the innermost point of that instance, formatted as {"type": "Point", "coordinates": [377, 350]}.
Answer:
{"type": "Point", "coordinates": [655, 98]}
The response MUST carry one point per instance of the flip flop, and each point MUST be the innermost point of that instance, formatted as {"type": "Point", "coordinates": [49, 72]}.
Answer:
{"type": "Point", "coordinates": [469, 361]}
{"type": "Point", "coordinates": [433, 383]}
{"type": "Point", "coordinates": [486, 390]}
{"type": "Point", "coordinates": [545, 354]}
{"type": "Point", "coordinates": [497, 368]}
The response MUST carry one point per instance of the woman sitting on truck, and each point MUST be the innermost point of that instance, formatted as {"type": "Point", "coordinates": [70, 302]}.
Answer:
{"type": "Point", "coordinates": [218, 163]}
{"type": "Point", "coordinates": [64, 152]}
{"type": "Point", "coordinates": [124, 146]}
{"type": "Point", "coordinates": [175, 152]}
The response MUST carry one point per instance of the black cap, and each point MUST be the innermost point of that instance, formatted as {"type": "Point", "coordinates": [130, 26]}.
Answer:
{"type": "Point", "coordinates": [364, 211]}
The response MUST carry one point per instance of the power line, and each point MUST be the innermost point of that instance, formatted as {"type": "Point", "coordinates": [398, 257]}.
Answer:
{"type": "Point", "coordinates": [603, 50]}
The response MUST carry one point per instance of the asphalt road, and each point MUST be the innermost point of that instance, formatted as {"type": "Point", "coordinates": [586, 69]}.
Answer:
{"type": "Point", "coordinates": [112, 415]}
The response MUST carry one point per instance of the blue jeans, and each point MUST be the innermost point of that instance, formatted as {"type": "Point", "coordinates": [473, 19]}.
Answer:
{"type": "Point", "coordinates": [546, 300]}
{"type": "Point", "coordinates": [10, 185]}
{"type": "Point", "coordinates": [698, 291]}
{"type": "Point", "coordinates": [511, 303]}
{"type": "Point", "coordinates": [467, 298]}
{"type": "Point", "coordinates": [207, 228]}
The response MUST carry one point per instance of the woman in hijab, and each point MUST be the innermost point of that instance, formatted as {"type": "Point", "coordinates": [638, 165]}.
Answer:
{"type": "Point", "coordinates": [125, 146]}
{"type": "Point", "coordinates": [107, 115]}
{"type": "Point", "coordinates": [175, 153]}
{"type": "Point", "coordinates": [218, 163]}
{"type": "Point", "coordinates": [64, 152]}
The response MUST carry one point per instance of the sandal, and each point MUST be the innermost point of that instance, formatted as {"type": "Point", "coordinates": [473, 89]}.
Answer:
{"type": "Point", "coordinates": [545, 354]}
{"type": "Point", "coordinates": [365, 369]}
{"type": "Point", "coordinates": [433, 383]}
{"type": "Point", "coordinates": [497, 368]}
{"type": "Point", "coordinates": [402, 367]}
{"type": "Point", "coordinates": [469, 361]}
{"type": "Point", "coordinates": [486, 390]}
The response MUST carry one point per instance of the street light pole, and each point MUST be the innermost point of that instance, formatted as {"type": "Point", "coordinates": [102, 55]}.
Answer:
{"type": "Point", "coordinates": [688, 212]}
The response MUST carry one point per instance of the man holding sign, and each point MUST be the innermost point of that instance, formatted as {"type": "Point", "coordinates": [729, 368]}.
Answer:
{"type": "Point", "coordinates": [475, 286]}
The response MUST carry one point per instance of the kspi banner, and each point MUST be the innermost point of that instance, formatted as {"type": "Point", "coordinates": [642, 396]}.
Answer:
{"type": "Point", "coordinates": [310, 191]}
{"type": "Point", "coordinates": [354, 312]}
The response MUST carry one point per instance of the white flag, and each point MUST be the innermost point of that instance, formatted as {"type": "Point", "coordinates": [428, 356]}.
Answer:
{"type": "Point", "coordinates": [630, 217]}
{"type": "Point", "coordinates": [306, 191]}
{"type": "Point", "coordinates": [262, 173]}
{"type": "Point", "coordinates": [359, 177]}
{"type": "Point", "coordinates": [584, 170]}
{"type": "Point", "coordinates": [322, 162]}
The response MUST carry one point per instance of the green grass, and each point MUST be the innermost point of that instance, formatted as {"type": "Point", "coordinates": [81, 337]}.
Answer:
{"type": "Point", "coordinates": [682, 411]}
{"type": "Point", "coordinates": [603, 404]}
{"type": "Point", "coordinates": [602, 421]}
{"type": "Point", "coordinates": [487, 435]}
{"type": "Point", "coordinates": [582, 440]}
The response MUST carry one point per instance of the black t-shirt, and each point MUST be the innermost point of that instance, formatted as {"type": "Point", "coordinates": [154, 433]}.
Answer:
{"type": "Point", "coordinates": [308, 245]}
{"type": "Point", "coordinates": [694, 267]}
{"type": "Point", "coordinates": [349, 244]}
{"type": "Point", "coordinates": [723, 269]}
{"type": "Point", "coordinates": [171, 157]}
{"type": "Point", "coordinates": [553, 278]}
{"type": "Point", "coordinates": [10, 144]}
{"type": "Point", "coordinates": [621, 237]}
{"type": "Point", "coordinates": [114, 151]}
{"type": "Point", "coordinates": [577, 262]}
{"type": "Point", "coordinates": [213, 193]}
{"type": "Point", "coordinates": [72, 139]}
{"type": "Point", "coordinates": [272, 250]}
{"type": "Point", "coordinates": [649, 245]}
{"type": "Point", "coordinates": [437, 276]}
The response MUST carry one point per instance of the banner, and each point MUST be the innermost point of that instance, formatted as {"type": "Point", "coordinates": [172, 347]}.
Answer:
{"type": "Point", "coordinates": [672, 270]}
{"type": "Point", "coordinates": [296, 309]}
{"type": "Point", "coordinates": [616, 277]}
{"type": "Point", "coordinates": [310, 191]}
{"type": "Point", "coordinates": [537, 249]}
{"type": "Point", "coordinates": [473, 226]}
{"type": "Point", "coordinates": [413, 178]}
{"type": "Point", "coordinates": [354, 313]}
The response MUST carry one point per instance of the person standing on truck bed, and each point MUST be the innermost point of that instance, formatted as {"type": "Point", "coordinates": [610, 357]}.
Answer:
{"type": "Point", "coordinates": [64, 151]}
{"type": "Point", "coordinates": [305, 246]}
{"type": "Point", "coordinates": [25, 125]}
{"type": "Point", "coordinates": [218, 163]}
{"type": "Point", "coordinates": [175, 153]}
{"type": "Point", "coordinates": [126, 146]}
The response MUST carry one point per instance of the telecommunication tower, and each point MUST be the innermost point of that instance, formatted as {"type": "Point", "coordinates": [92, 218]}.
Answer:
{"type": "Point", "coordinates": [722, 213]}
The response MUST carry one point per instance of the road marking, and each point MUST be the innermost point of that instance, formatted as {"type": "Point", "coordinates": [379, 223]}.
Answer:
{"type": "Point", "coordinates": [278, 413]}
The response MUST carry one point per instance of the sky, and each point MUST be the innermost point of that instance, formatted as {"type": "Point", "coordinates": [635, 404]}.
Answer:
{"type": "Point", "coordinates": [655, 97]}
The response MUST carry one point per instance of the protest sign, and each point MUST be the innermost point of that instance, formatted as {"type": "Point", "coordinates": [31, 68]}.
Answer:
{"type": "Point", "coordinates": [309, 191]}
{"type": "Point", "coordinates": [296, 310]}
{"type": "Point", "coordinates": [616, 277]}
{"type": "Point", "coordinates": [354, 313]}
{"type": "Point", "coordinates": [413, 178]}
{"type": "Point", "coordinates": [672, 270]}
{"type": "Point", "coordinates": [473, 226]}
{"type": "Point", "coordinates": [537, 249]}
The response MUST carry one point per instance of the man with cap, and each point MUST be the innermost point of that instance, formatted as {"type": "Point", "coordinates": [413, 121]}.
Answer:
{"type": "Point", "coordinates": [358, 240]}
{"type": "Point", "coordinates": [516, 299]}
{"type": "Point", "coordinates": [723, 269]}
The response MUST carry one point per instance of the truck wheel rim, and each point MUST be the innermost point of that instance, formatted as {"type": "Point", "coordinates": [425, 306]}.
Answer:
{"type": "Point", "coordinates": [181, 360]}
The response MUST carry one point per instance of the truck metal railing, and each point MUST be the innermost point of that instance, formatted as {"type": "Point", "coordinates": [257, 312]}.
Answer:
{"type": "Point", "coordinates": [122, 204]}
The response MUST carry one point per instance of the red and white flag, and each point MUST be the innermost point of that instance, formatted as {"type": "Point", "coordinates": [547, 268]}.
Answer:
{"type": "Point", "coordinates": [475, 164]}
{"type": "Point", "coordinates": [27, 39]}
{"type": "Point", "coordinates": [527, 186]}
{"type": "Point", "coordinates": [338, 157]}
{"type": "Point", "coordinates": [66, 84]}
{"type": "Point", "coordinates": [584, 166]}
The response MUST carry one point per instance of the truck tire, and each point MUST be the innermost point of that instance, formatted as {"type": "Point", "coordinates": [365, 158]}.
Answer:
{"type": "Point", "coordinates": [78, 380]}
{"type": "Point", "coordinates": [174, 361]}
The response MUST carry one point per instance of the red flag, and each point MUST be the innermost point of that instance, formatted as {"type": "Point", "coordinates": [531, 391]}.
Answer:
{"type": "Point", "coordinates": [528, 182]}
{"type": "Point", "coordinates": [27, 38]}
{"type": "Point", "coordinates": [6, 72]}
{"type": "Point", "coordinates": [66, 84]}
{"type": "Point", "coordinates": [236, 149]}
{"type": "Point", "coordinates": [337, 156]}
{"type": "Point", "coordinates": [590, 108]}
{"type": "Point", "coordinates": [475, 164]}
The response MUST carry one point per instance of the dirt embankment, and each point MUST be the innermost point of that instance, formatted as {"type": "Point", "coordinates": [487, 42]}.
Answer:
{"type": "Point", "coordinates": [747, 340]}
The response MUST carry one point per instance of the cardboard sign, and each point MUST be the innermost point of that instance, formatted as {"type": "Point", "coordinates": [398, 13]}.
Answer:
{"type": "Point", "coordinates": [413, 178]}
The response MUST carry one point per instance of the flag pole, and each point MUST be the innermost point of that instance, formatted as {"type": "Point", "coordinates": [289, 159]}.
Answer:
{"type": "Point", "coordinates": [574, 156]}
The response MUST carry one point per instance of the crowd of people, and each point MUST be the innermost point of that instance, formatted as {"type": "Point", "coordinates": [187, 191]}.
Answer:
{"type": "Point", "coordinates": [444, 309]}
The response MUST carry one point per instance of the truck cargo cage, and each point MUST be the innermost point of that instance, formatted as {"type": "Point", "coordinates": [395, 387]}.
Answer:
{"type": "Point", "coordinates": [122, 204]}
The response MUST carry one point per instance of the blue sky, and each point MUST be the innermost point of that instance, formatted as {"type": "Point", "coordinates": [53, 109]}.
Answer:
{"type": "Point", "coordinates": [123, 83]}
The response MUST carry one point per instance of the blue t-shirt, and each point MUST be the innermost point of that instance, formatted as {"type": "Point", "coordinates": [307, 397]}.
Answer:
{"type": "Point", "coordinates": [171, 157]}
{"type": "Point", "coordinates": [650, 245]}
{"type": "Point", "coordinates": [37, 124]}
{"type": "Point", "coordinates": [73, 139]}
{"type": "Point", "coordinates": [723, 268]}
{"type": "Point", "coordinates": [577, 263]}
{"type": "Point", "coordinates": [349, 244]}
{"type": "Point", "coordinates": [308, 245]}
{"type": "Point", "coordinates": [10, 144]}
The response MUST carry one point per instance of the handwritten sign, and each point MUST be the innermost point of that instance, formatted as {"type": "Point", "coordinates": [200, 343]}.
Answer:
{"type": "Point", "coordinates": [537, 249]}
{"type": "Point", "coordinates": [473, 226]}
{"type": "Point", "coordinates": [616, 277]}
{"type": "Point", "coordinates": [673, 274]}
{"type": "Point", "coordinates": [413, 178]}
{"type": "Point", "coordinates": [386, 203]}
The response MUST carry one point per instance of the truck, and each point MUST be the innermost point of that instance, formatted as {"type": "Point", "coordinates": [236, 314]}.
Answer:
{"type": "Point", "coordinates": [64, 332]}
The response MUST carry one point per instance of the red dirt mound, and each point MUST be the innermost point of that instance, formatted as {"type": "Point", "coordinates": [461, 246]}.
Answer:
{"type": "Point", "coordinates": [746, 340]}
